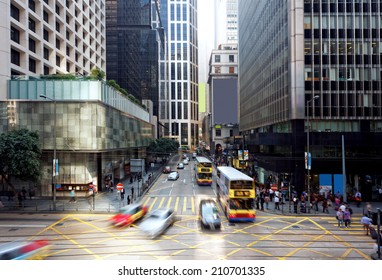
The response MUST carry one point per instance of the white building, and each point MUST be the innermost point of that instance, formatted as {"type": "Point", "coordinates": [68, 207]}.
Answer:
{"type": "Point", "coordinates": [50, 37]}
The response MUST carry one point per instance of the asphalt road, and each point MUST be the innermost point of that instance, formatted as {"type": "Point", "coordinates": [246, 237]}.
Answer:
{"type": "Point", "coordinates": [270, 237]}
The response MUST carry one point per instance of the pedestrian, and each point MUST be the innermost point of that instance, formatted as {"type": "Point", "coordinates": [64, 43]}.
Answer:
{"type": "Point", "coordinates": [295, 204]}
{"type": "Point", "coordinates": [366, 222]}
{"type": "Point", "coordinates": [111, 186]}
{"type": "Point", "coordinates": [123, 194]}
{"type": "Point", "coordinates": [20, 198]}
{"type": "Point", "coordinates": [30, 193]}
{"type": "Point", "coordinates": [132, 193]}
{"type": "Point", "coordinates": [315, 203]}
{"type": "Point", "coordinates": [340, 217]}
{"type": "Point", "coordinates": [347, 217]}
{"type": "Point", "coordinates": [128, 199]}
{"type": "Point", "coordinates": [325, 207]}
{"type": "Point", "coordinates": [266, 200]}
{"type": "Point", "coordinates": [277, 203]}
{"type": "Point", "coordinates": [24, 192]}
{"type": "Point", "coordinates": [262, 197]}
{"type": "Point", "coordinates": [369, 210]}
{"type": "Point", "coordinates": [358, 198]}
{"type": "Point", "coordinates": [72, 196]}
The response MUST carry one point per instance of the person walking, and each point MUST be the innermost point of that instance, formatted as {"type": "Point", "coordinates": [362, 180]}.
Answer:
{"type": "Point", "coordinates": [277, 203]}
{"type": "Point", "coordinates": [128, 199]}
{"type": "Point", "coordinates": [347, 217]}
{"type": "Point", "coordinates": [325, 208]}
{"type": "Point", "coordinates": [366, 222]}
{"type": "Point", "coordinates": [369, 210]}
{"type": "Point", "coordinates": [358, 198]}
{"type": "Point", "coordinates": [72, 196]}
{"type": "Point", "coordinates": [340, 218]}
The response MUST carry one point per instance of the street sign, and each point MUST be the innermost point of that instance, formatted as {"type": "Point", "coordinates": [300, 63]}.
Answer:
{"type": "Point", "coordinates": [119, 186]}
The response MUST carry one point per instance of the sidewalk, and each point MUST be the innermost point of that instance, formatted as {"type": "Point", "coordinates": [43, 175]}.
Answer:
{"type": "Point", "coordinates": [102, 202]}
{"type": "Point", "coordinates": [288, 209]}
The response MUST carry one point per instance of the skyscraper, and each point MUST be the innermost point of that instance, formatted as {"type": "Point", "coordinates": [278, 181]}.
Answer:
{"type": "Point", "coordinates": [178, 109]}
{"type": "Point", "coordinates": [51, 37]}
{"type": "Point", "coordinates": [134, 46]}
{"type": "Point", "coordinates": [312, 68]}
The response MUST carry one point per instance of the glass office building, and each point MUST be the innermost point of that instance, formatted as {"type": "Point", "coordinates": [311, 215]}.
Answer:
{"type": "Point", "coordinates": [134, 43]}
{"type": "Point", "coordinates": [312, 64]}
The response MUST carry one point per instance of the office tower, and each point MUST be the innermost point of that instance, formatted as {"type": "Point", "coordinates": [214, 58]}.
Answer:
{"type": "Point", "coordinates": [134, 46]}
{"type": "Point", "coordinates": [179, 108]}
{"type": "Point", "coordinates": [51, 37]}
{"type": "Point", "coordinates": [309, 74]}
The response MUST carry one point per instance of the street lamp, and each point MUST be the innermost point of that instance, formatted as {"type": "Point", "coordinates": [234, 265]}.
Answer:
{"type": "Point", "coordinates": [308, 158]}
{"type": "Point", "coordinates": [54, 170]}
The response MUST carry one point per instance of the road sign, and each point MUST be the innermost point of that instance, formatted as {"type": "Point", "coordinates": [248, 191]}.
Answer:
{"type": "Point", "coordinates": [119, 186]}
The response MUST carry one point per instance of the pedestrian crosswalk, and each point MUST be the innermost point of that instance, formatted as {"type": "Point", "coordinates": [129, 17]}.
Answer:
{"type": "Point", "coordinates": [184, 205]}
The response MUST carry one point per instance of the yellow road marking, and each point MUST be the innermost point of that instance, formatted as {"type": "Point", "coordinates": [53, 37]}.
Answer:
{"type": "Point", "coordinates": [184, 204]}
{"type": "Point", "coordinates": [152, 204]}
{"type": "Point", "coordinates": [176, 203]}
{"type": "Point", "coordinates": [161, 202]}
{"type": "Point", "coordinates": [169, 202]}
{"type": "Point", "coordinates": [193, 204]}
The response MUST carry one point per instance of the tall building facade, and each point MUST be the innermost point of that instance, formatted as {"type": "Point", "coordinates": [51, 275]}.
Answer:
{"type": "Point", "coordinates": [309, 77]}
{"type": "Point", "coordinates": [51, 37]}
{"type": "Point", "coordinates": [135, 43]}
{"type": "Point", "coordinates": [178, 109]}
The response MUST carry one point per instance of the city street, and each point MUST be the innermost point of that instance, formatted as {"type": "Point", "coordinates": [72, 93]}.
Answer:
{"type": "Point", "coordinates": [272, 236]}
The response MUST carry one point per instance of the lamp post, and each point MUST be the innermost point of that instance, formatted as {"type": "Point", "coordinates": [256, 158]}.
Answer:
{"type": "Point", "coordinates": [308, 158]}
{"type": "Point", "coordinates": [54, 169]}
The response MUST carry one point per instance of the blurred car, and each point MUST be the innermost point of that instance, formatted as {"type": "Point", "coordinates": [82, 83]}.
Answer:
{"type": "Point", "coordinates": [194, 155]}
{"type": "Point", "coordinates": [129, 214]}
{"type": "Point", "coordinates": [185, 161]}
{"type": "Point", "coordinates": [24, 250]}
{"type": "Point", "coordinates": [209, 214]}
{"type": "Point", "coordinates": [157, 222]}
{"type": "Point", "coordinates": [174, 175]}
{"type": "Point", "coordinates": [180, 165]}
{"type": "Point", "coordinates": [167, 169]}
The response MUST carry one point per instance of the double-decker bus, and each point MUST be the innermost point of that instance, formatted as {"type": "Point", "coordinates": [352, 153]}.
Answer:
{"type": "Point", "coordinates": [203, 171]}
{"type": "Point", "coordinates": [236, 194]}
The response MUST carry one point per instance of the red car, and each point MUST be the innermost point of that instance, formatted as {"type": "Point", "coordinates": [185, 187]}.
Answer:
{"type": "Point", "coordinates": [129, 214]}
{"type": "Point", "coordinates": [167, 170]}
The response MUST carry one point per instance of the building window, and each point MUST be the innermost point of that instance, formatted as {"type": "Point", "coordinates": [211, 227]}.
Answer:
{"type": "Point", "coordinates": [15, 35]}
{"type": "Point", "coordinates": [46, 35]}
{"type": "Point", "coordinates": [218, 133]}
{"type": "Point", "coordinates": [217, 70]}
{"type": "Point", "coordinates": [57, 26]}
{"type": "Point", "coordinates": [232, 70]}
{"type": "Point", "coordinates": [15, 12]}
{"type": "Point", "coordinates": [32, 5]}
{"type": "Point", "coordinates": [58, 61]}
{"type": "Point", "coordinates": [217, 58]}
{"type": "Point", "coordinates": [67, 51]}
{"type": "Point", "coordinates": [46, 16]}
{"type": "Point", "coordinates": [32, 65]}
{"type": "Point", "coordinates": [46, 70]}
{"type": "Point", "coordinates": [32, 25]}
{"type": "Point", "coordinates": [57, 10]}
{"type": "Point", "coordinates": [46, 53]}
{"type": "Point", "coordinates": [15, 57]}
{"type": "Point", "coordinates": [231, 58]}
{"type": "Point", "coordinates": [32, 45]}
{"type": "Point", "coordinates": [58, 44]}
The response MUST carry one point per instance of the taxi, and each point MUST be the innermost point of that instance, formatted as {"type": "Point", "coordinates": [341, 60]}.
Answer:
{"type": "Point", "coordinates": [129, 214]}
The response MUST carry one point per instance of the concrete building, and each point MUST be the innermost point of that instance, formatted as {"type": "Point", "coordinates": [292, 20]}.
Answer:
{"type": "Point", "coordinates": [309, 74]}
{"type": "Point", "coordinates": [222, 121]}
{"type": "Point", "coordinates": [178, 108]}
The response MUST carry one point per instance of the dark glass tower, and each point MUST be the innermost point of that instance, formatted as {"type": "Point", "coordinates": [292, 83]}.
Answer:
{"type": "Point", "coordinates": [133, 47]}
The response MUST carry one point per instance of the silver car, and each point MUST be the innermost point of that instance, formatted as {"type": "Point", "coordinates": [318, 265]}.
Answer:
{"type": "Point", "coordinates": [157, 222]}
{"type": "Point", "coordinates": [173, 176]}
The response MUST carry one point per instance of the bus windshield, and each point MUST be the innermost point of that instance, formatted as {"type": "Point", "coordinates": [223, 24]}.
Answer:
{"type": "Point", "coordinates": [241, 184]}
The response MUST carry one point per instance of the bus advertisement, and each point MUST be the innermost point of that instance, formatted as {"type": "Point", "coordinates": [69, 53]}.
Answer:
{"type": "Point", "coordinates": [236, 194]}
{"type": "Point", "coordinates": [203, 171]}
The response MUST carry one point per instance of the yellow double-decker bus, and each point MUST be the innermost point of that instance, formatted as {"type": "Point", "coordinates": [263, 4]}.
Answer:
{"type": "Point", "coordinates": [203, 171]}
{"type": "Point", "coordinates": [236, 194]}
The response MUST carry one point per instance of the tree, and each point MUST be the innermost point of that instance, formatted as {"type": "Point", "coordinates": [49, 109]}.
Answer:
{"type": "Point", "coordinates": [20, 154]}
{"type": "Point", "coordinates": [97, 74]}
{"type": "Point", "coordinates": [163, 146]}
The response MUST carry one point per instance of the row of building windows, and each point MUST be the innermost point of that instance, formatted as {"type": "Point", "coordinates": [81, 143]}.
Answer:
{"type": "Point", "coordinates": [349, 6]}
{"type": "Point", "coordinates": [342, 47]}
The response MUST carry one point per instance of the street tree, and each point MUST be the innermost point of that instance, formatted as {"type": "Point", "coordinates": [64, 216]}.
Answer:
{"type": "Point", "coordinates": [20, 153]}
{"type": "Point", "coordinates": [163, 146]}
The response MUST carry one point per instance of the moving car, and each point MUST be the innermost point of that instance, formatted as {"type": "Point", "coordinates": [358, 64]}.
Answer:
{"type": "Point", "coordinates": [180, 165]}
{"type": "Point", "coordinates": [185, 161]}
{"type": "Point", "coordinates": [209, 214]}
{"type": "Point", "coordinates": [157, 222]}
{"type": "Point", "coordinates": [174, 175]}
{"type": "Point", "coordinates": [24, 250]}
{"type": "Point", "coordinates": [167, 169]}
{"type": "Point", "coordinates": [129, 214]}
